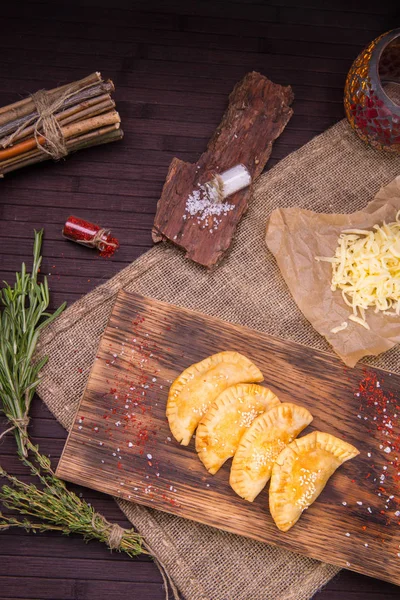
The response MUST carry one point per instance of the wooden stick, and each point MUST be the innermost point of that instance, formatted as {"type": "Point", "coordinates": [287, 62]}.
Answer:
{"type": "Point", "coordinates": [92, 77]}
{"type": "Point", "coordinates": [72, 130]}
{"type": "Point", "coordinates": [94, 138]}
{"type": "Point", "coordinates": [72, 144]}
{"type": "Point", "coordinates": [70, 114]}
{"type": "Point", "coordinates": [15, 159]}
{"type": "Point", "coordinates": [21, 148]}
{"type": "Point", "coordinates": [93, 91]}
{"type": "Point", "coordinates": [80, 127]}
{"type": "Point", "coordinates": [84, 111]}
{"type": "Point", "coordinates": [114, 134]}
{"type": "Point", "coordinates": [26, 106]}
{"type": "Point", "coordinates": [99, 108]}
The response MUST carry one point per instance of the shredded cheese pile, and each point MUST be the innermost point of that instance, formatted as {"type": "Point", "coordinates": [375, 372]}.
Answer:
{"type": "Point", "coordinates": [366, 268]}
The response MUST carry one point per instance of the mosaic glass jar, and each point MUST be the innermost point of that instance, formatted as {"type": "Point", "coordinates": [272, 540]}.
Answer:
{"type": "Point", "coordinates": [372, 93]}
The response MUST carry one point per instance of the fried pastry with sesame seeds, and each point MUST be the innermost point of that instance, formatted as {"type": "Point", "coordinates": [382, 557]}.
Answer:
{"type": "Point", "coordinates": [219, 432]}
{"type": "Point", "coordinates": [192, 393]}
{"type": "Point", "coordinates": [301, 472]}
{"type": "Point", "coordinates": [261, 444]}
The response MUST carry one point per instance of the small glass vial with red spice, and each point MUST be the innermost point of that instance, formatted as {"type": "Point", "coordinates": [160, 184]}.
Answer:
{"type": "Point", "coordinates": [91, 235]}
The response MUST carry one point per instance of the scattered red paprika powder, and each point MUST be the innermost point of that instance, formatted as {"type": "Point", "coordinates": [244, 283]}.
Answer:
{"type": "Point", "coordinates": [381, 410]}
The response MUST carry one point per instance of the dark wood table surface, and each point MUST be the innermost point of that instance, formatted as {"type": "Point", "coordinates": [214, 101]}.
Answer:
{"type": "Point", "coordinates": [173, 63]}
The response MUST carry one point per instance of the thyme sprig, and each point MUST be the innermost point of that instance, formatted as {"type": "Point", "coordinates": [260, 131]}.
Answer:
{"type": "Point", "coordinates": [58, 508]}
{"type": "Point", "coordinates": [51, 504]}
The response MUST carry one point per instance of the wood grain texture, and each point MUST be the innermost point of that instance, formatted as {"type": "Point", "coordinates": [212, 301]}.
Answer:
{"type": "Point", "coordinates": [163, 96]}
{"type": "Point", "coordinates": [121, 444]}
{"type": "Point", "coordinates": [257, 113]}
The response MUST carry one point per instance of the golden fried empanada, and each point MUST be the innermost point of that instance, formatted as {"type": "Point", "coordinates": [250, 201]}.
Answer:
{"type": "Point", "coordinates": [262, 443]}
{"type": "Point", "coordinates": [228, 417]}
{"type": "Point", "coordinates": [197, 387]}
{"type": "Point", "coordinates": [301, 472]}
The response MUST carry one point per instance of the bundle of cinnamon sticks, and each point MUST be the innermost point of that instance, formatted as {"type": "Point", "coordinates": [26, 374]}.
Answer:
{"type": "Point", "coordinates": [54, 123]}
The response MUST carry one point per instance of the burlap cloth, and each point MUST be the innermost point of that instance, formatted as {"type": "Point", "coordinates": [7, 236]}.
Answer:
{"type": "Point", "coordinates": [335, 172]}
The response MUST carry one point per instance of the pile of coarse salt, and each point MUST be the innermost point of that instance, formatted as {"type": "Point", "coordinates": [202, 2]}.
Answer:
{"type": "Point", "coordinates": [205, 204]}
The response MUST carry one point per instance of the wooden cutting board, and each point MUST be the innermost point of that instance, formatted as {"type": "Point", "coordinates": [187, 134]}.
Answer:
{"type": "Point", "coordinates": [120, 442]}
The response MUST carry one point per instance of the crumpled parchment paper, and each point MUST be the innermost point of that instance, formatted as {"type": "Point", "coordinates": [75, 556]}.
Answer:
{"type": "Point", "coordinates": [296, 236]}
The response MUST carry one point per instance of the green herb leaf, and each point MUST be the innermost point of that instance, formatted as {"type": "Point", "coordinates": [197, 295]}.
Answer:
{"type": "Point", "coordinates": [22, 319]}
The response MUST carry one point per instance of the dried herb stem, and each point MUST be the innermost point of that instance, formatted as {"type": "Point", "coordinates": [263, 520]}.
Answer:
{"type": "Point", "coordinates": [57, 508]}
{"type": "Point", "coordinates": [51, 504]}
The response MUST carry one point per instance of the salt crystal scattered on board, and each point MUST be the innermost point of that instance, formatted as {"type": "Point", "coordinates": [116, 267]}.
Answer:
{"type": "Point", "coordinates": [203, 203]}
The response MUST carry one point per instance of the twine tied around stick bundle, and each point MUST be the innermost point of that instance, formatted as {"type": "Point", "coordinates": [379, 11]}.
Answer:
{"type": "Point", "coordinates": [45, 121]}
{"type": "Point", "coordinates": [51, 130]}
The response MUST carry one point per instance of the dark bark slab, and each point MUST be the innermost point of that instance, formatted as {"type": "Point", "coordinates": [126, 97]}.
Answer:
{"type": "Point", "coordinates": [258, 112]}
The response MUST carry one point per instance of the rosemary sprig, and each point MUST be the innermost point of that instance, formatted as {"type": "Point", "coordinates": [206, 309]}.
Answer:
{"type": "Point", "coordinates": [21, 321]}
{"type": "Point", "coordinates": [57, 508]}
